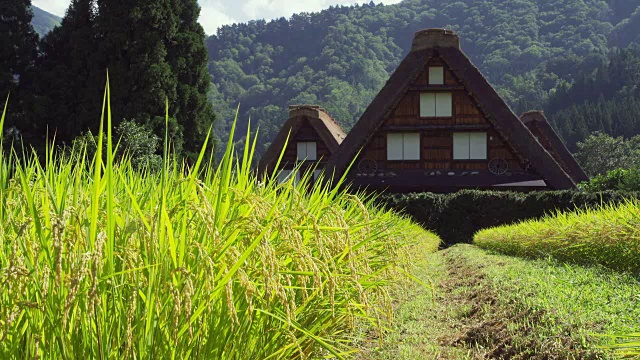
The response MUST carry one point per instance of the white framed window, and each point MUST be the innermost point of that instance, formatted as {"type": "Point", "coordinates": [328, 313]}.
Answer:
{"type": "Point", "coordinates": [285, 175]}
{"type": "Point", "coordinates": [403, 146]}
{"type": "Point", "coordinates": [470, 146]}
{"type": "Point", "coordinates": [307, 151]}
{"type": "Point", "coordinates": [436, 104]}
{"type": "Point", "coordinates": [436, 75]}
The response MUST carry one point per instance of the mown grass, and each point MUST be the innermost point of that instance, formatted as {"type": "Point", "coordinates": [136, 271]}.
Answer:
{"type": "Point", "coordinates": [101, 261]}
{"type": "Point", "coordinates": [609, 237]}
{"type": "Point", "coordinates": [491, 306]}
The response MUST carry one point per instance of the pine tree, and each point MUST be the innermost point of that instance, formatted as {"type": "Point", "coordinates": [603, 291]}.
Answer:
{"type": "Point", "coordinates": [69, 83]}
{"type": "Point", "coordinates": [18, 47]}
{"type": "Point", "coordinates": [188, 57]}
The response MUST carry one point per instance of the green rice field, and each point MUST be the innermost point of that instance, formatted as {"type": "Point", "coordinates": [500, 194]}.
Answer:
{"type": "Point", "coordinates": [101, 261]}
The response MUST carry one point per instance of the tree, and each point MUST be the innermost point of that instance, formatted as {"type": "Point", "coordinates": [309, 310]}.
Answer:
{"type": "Point", "coordinates": [155, 51]}
{"type": "Point", "coordinates": [601, 153]}
{"type": "Point", "coordinates": [18, 47]}
{"type": "Point", "coordinates": [187, 55]}
{"type": "Point", "coordinates": [68, 82]}
{"type": "Point", "coordinates": [133, 35]}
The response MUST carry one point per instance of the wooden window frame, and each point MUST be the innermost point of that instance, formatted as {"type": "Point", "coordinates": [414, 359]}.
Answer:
{"type": "Point", "coordinates": [436, 116]}
{"type": "Point", "coordinates": [429, 68]}
{"type": "Point", "coordinates": [306, 145]}
{"type": "Point", "coordinates": [469, 160]}
{"type": "Point", "coordinates": [403, 159]}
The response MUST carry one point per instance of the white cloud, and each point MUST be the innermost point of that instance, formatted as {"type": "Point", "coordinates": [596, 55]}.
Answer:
{"type": "Point", "coordinates": [216, 13]}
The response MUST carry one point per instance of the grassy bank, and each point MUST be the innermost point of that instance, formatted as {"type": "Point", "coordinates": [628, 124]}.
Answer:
{"type": "Point", "coordinates": [486, 305]}
{"type": "Point", "coordinates": [609, 236]}
{"type": "Point", "coordinates": [100, 261]}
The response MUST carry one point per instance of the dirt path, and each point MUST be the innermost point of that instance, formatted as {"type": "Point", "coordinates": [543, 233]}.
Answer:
{"type": "Point", "coordinates": [486, 329]}
{"type": "Point", "coordinates": [472, 316]}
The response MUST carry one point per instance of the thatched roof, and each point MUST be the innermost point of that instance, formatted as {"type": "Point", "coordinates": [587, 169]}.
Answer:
{"type": "Point", "coordinates": [537, 122]}
{"type": "Point", "coordinates": [446, 45]}
{"type": "Point", "coordinates": [327, 128]}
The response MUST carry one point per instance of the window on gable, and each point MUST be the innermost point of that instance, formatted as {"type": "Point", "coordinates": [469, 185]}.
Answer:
{"type": "Point", "coordinates": [307, 151]}
{"type": "Point", "coordinates": [436, 75]}
{"type": "Point", "coordinates": [403, 146]}
{"type": "Point", "coordinates": [470, 146]}
{"type": "Point", "coordinates": [436, 104]}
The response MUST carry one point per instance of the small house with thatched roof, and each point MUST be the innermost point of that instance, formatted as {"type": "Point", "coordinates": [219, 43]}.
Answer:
{"type": "Point", "coordinates": [438, 125]}
{"type": "Point", "coordinates": [306, 142]}
{"type": "Point", "coordinates": [539, 126]}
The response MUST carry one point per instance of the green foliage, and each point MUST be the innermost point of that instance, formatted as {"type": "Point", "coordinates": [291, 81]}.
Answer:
{"type": "Point", "coordinates": [188, 58]}
{"type": "Point", "coordinates": [604, 99]}
{"type": "Point", "coordinates": [616, 180]}
{"type": "Point", "coordinates": [457, 217]}
{"type": "Point", "coordinates": [609, 181]}
{"type": "Point", "coordinates": [153, 51]}
{"type": "Point", "coordinates": [137, 145]}
{"type": "Point", "coordinates": [188, 262]}
{"type": "Point", "coordinates": [601, 153]}
{"type": "Point", "coordinates": [140, 144]}
{"type": "Point", "coordinates": [631, 181]}
{"type": "Point", "coordinates": [18, 51]}
{"type": "Point", "coordinates": [68, 82]}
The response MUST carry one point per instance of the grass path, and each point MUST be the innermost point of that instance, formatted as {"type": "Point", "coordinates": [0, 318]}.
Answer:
{"type": "Point", "coordinates": [490, 306]}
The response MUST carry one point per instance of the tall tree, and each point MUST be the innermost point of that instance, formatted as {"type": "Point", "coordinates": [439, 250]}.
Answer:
{"type": "Point", "coordinates": [68, 82]}
{"type": "Point", "coordinates": [18, 45]}
{"type": "Point", "coordinates": [187, 55]}
{"type": "Point", "coordinates": [134, 36]}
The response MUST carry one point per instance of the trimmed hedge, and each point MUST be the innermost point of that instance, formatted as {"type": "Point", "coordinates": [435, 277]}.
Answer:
{"type": "Point", "coordinates": [457, 217]}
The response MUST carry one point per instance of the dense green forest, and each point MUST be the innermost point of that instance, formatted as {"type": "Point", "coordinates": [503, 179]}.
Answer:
{"type": "Point", "coordinates": [155, 56]}
{"type": "Point", "coordinates": [578, 60]}
{"type": "Point", "coordinates": [43, 22]}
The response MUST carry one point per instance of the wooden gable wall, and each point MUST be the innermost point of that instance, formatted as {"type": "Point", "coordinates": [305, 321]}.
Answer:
{"type": "Point", "coordinates": [305, 133]}
{"type": "Point", "coordinates": [437, 132]}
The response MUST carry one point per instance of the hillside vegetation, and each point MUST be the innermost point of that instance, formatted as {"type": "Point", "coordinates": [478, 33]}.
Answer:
{"type": "Point", "coordinates": [533, 50]}
{"type": "Point", "coordinates": [43, 22]}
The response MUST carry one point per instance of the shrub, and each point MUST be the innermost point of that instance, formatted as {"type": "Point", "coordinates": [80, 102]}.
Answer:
{"type": "Point", "coordinates": [615, 180]}
{"type": "Point", "coordinates": [137, 142]}
{"type": "Point", "coordinates": [457, 217]}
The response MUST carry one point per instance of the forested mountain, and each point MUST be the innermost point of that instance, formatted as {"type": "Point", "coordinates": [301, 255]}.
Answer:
{"type": "Point", "coordinates": [539, 53]}
{"type": "Point", "coordinates": [43, 22]}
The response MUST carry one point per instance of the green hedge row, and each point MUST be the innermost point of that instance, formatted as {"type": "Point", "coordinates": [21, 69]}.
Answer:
{"type": "Point", "coordinates": [457, 217]}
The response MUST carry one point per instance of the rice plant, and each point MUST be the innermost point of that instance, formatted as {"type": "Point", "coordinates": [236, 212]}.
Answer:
{"type": "Point", "coordinates": [608, 236]}
{"type": "Point", "coordinates": [98, 260]}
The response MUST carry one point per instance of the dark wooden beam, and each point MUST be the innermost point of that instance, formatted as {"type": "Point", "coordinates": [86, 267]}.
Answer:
{"type": "Point", "coordinates": [417, 180]}
{"type": "Point", "coordinates": [413, 128]}
{"type": "Point", "coordinates": [435, 88]}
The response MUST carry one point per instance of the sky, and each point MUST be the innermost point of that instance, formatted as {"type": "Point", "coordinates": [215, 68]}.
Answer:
{"type": "Point", "coordinates": [216, 13]}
